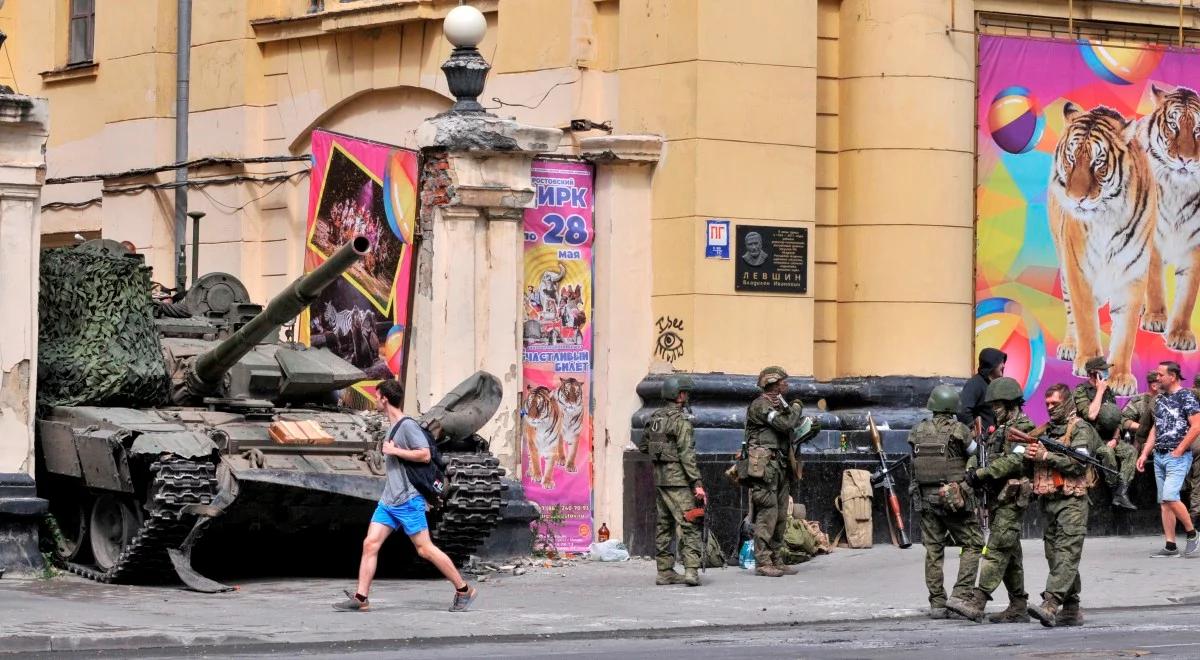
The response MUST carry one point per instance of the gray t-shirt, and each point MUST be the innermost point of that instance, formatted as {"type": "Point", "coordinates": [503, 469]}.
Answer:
{"type": "Point", "coordinates": [407, 434]}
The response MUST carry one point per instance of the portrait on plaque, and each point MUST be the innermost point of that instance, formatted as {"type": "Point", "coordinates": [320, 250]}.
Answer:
{"type": "Point", "coordinates": [771, 259]}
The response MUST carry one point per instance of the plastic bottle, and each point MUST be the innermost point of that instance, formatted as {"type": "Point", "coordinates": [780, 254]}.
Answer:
{"type": "Point", "coordinates": [746, 556]}
{"type": "Point", "coordinates": [602, 535]}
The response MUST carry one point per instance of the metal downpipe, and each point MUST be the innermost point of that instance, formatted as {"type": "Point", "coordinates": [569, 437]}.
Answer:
{"type": "Point", "coordinates": [183, 62]}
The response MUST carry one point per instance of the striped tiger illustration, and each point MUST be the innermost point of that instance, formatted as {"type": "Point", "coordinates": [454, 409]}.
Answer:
{"type": "Point", "coordinates": [543, 434]}
{"type": "Point", "coordinates": [569, 395]}
{"type": "Point", "coordinates": [1101, 206]}
{"type": "Point", "coordinates": [1171, 138]}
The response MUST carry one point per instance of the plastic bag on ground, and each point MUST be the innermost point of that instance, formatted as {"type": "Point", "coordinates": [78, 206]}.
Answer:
{"type": "Point", "coordinates": [611, 550]}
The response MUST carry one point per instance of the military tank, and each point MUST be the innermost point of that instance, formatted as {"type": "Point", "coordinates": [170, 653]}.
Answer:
{"type": "Point", "coordinates": [230, 424]}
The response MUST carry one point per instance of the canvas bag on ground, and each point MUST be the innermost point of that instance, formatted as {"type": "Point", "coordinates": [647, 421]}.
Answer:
{"type": "Point", "coordinates": [855, 505]}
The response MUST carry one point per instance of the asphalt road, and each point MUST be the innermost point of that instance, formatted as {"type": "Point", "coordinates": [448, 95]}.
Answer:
{"type": "Point", "coordinates": [1161, 632]}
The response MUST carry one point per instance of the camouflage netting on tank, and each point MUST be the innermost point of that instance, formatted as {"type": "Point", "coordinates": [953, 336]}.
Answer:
{"type": "Point", "coordinates": [97, 341]}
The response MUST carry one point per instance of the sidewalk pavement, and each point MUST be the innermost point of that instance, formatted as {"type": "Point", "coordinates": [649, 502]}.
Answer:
{"type": "Point", "coordinates": [69, 613]}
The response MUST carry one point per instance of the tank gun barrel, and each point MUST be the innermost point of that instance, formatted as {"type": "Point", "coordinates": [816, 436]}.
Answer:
{"type": "Point", "coordinates": [208, 369]}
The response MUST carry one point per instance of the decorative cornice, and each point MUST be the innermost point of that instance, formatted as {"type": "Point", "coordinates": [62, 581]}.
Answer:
{"type": "Point", "coordinates": [358, 16]}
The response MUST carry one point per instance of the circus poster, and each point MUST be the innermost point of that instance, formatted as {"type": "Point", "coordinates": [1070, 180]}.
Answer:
{"type": "Point", "coordinates": [1088, 202]}
{"type": "Point", "coordinates": [362, 188]}
{"type": "Point", "coordinates": [556, 423]}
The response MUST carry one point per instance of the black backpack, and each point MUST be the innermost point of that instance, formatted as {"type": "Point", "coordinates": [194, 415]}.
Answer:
{"type": "Point", "coordinates": [428, 478]}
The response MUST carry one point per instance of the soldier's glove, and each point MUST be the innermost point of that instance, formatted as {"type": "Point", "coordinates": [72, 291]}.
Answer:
{"type": "Point", "coordinates": [973, 479]}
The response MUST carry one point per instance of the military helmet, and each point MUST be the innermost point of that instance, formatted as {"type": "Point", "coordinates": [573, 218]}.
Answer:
{"type": "Point", "coordinates": [673, 385]}
{"type": "Point", "coordinates": [769, 376]}
{"type": "Point", "coordinates": [943, 399]}
{"type": "Point", "coordinates": [1003, 389]}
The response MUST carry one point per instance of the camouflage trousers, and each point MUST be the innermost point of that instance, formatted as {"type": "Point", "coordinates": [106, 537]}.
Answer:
{"type": "Point", "coordinates": [938, 530]}
{"type": "Point", "coordinates": [1002, 560]}
{"type": "Point", "coordinates": [770, 499]}
{"type": "Point", "coordinates": [1065, 519]}
{"type": "Point", "coordinates": [673, 502]}
{"type": "Point", "coordinates": [1122, 458]}
{"type": "Point", "coordinates": [1192, 484]}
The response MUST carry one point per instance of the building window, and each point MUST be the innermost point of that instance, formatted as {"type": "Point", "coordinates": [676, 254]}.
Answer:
{"type": "Point", "coordinates": [82, 36]}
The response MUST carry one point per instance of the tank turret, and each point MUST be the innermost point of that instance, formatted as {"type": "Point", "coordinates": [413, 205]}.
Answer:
{"type": "Point", "coordinates": [209, 372]}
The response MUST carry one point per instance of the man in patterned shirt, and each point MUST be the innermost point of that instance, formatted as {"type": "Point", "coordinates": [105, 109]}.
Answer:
{"type": "Point", "coordinates": [1176, 425]}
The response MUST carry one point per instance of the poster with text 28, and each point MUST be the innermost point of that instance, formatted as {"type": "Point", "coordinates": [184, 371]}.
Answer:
{"type": "Point", "coordinates": [556, 419]}
{"type": "Point", "coordinates": [1088, 234]}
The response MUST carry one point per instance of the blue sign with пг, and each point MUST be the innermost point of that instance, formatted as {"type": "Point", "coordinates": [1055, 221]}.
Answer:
{"type": "Point", "coordinates": [716, 242]}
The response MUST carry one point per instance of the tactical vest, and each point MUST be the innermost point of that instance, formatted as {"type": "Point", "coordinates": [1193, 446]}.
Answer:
{"type": "Point", "coordinates": [932, 462]}
{"type": "Point", "coordinates": [661, 447]}
{"type": "Point", "coordinates": [1047, 480]}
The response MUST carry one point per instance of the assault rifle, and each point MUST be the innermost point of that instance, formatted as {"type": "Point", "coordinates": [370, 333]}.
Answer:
{"type": "Point", "coordinates": [888, 484]}
{"type": "Point", "coordinates": [985, 523]}
{"type": "Point", "coordinates": [1016, 435]}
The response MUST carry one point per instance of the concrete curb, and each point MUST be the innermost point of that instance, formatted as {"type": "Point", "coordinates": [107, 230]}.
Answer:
{"type": "Point", "coordinates": [12, 645]}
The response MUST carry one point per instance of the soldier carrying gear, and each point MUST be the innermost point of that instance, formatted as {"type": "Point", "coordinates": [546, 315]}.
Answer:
{"type": "Point", "coordinates": [668, 440]}
{"type": "Point", "coordinates": [940, 447]}
{"type": "Point", "coordinates": [1005, 480]}
{"type": "Point", "coordinates": [1096, 404]}
{"type": "Point", "coordinates": [770, 467]}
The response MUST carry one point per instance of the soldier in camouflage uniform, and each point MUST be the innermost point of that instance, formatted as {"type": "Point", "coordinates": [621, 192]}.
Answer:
{"type": "Point", "coordinates": [1061, 485]}
{"type": "Point", "coordinates": [1096, 404]}
{"type": "Point", "coordinates": [668, 440]}
{"type": "Point", "coordinates": [940, 449]}
{"type": "Point", "coordinates": [1192, 483]}
{"type": "Point", "coordinates": [769, 424]}
{"type": "Point", "coordinates": [1137, 417]}
{"type": "Point", "coordinates": [1005, 481]}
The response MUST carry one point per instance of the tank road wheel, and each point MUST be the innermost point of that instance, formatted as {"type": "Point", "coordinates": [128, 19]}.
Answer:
{"type": "Point", "coordinates": [114, 523]}
{"type": "Point", "coordinates": [72, 518]}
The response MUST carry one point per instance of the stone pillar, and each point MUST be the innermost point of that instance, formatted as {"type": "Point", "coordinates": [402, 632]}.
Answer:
{"type": "Point", "coordinates": [623, 318]}
{"type": "Point", "coordinates": [467, 308]}
{"type": "Point", "coordinates": [905, 234]}
{"type": "Point", "coordinates": [23, 123]}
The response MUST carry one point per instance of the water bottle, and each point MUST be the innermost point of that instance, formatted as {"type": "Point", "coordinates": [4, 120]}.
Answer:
{"type": "Point", "coordinates": [746, 556]}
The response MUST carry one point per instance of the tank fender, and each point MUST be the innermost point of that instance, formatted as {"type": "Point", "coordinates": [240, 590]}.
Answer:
{"type": "Point", "coordinates": [186, 444]}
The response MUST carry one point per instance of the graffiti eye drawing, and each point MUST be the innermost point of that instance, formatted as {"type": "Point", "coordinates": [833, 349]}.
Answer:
{"type": "Point", "coordinates": [669, 345]}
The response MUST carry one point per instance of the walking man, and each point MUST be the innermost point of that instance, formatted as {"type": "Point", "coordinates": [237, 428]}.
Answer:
{"type": "Point", "coordinates": [1005, 479]}
{"type": "Point", "coordinates": [402, 507]}
{"type": "Point", "coordinates": [1097, 405]}
{"type": "Point", "coordinates": [1176, 424]}
{"type": "Point", "coordinates": [971, 403]}
{"type": "Point", "coordinates": [940, 447]}
{"type": "Point", "coordinates": [668, 440]}
{"type": "Point", "coordinates": [1061, 484]}
{"type": "Point", "coordinates": [769, 424]}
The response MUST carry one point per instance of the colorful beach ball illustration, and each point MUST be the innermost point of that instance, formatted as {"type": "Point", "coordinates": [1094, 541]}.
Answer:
{"type": "Point", "coordinates": [1015, 120]}
{"type": "Point", "coordinates": [1002, 323]}
{"type": "Point", "coordinates": [1118, 65]}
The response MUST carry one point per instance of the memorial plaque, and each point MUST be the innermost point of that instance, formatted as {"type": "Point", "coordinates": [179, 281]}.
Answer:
{"type": "Point", "coordinates": [771, 259]}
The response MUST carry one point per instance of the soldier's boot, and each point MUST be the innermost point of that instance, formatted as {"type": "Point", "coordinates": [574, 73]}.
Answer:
{"type": "Point", "coordinates": [1047, 612]}
{"type": "Point", "coordinates": [1016, 612]}
{"type": "Point", "coordinates": [667, 577]}
{"type": "Point", "coordinates": [784, 568]}
{"type": "Point", "coordinates": [768, 570]}
{"type": "Point", "coordinates": [691, 577]}
{"type": "Point", "coordinates": [970, 605]}
{"type": "Point", "coordinates": [939, 613]}
{"type": "Point", "coordinates": [1070, 615]}
{"type": "Point", "coordinates": [1121, 497]}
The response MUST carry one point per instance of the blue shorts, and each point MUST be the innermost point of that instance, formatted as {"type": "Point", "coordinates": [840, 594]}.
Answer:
{"type": "Point", "coordinates": [1169, 473]}
{"type": "Point", "coordinates": [410, 516]}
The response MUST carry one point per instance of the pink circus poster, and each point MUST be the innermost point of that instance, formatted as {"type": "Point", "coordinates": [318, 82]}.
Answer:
{"type": "Point", "coordinates": [362, 188]}
{"type": "Point", "coordinates": [556, 423]}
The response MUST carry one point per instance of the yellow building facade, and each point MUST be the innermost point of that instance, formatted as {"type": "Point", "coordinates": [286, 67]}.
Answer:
{"type": "Point", "coordinates": [852, 119]}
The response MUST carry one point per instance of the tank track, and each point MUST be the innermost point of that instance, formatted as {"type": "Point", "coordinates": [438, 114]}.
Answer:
{"type": "Point", "coordinates": [177, 482]}
{"type": "Point", "coordinates": [471, 507]}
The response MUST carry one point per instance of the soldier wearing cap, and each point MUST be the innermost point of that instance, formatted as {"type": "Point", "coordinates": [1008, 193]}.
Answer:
{"type": "Point", "coordinates": [1006, 482]}
{"type": "Point", "coordinates": [1097, 405]}
{"type": "Point", "coordinates": [940, 448]}
{"type": "Point", "coordinates": [668, 441]}
{"type": "Point", "coordinates": [1137, 417]}
{"type": "Point", "coordinates": [770, 421]}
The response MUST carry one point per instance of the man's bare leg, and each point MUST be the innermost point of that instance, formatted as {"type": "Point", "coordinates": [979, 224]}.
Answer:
{"type": "Point", "coordinates": [432, 554]}
{"type": "Point", "coordinates": [376, 535]}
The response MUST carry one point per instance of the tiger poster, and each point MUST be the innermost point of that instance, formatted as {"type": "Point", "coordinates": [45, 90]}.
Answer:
{"type": "Point", "coordinates": [1088, 203]}
{"type": "Point", "coordinates": [359, 187]}
{"type": "Point", "coordinates": [556, 424]}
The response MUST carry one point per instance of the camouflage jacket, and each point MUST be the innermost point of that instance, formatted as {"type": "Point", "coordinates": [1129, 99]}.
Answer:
{"type": "Point", "coordinates": [939, 449]}
{"type": "Point", "coordinates": [668, 439]}
{"type": "Point", "coordinates": [1108, 420]}
{"type": "Point", "coordinates": [1082, 437]}
{"type": "Point", "coordinates": [768, 425]}
{"type": "Point", "coordinates": [1003, 462]}
{"type": "Point", "coordinates": [1140, 410]}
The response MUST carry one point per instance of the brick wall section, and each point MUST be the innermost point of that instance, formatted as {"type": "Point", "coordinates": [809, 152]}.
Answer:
{"type": "Point", "coordinates": [437, 188]}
